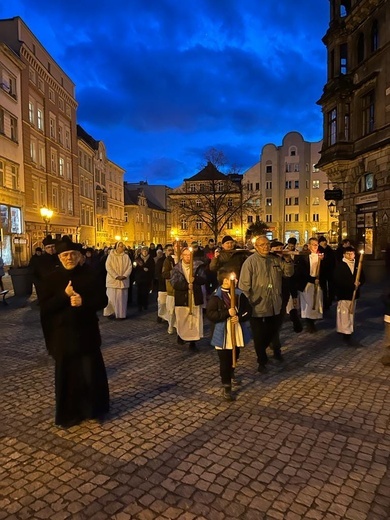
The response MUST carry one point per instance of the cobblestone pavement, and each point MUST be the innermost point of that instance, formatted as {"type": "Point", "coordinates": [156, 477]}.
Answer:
{"type": "Point", "coordinates": [308, 440]}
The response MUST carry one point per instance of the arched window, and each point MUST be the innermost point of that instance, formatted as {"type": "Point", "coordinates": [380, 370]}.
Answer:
{"type": "Point", "coordinates": [360, 48]}
{"type": "Point", "coordinates": [374, 36]}
{"type": "Point", "coordinates": [183, 223]}
{"type": "Point", "coordinates": [345, 8]}
{"type": "Point", "coordinates": [293, 151]}
{"type": "Point", "coordinates": [198, 203]}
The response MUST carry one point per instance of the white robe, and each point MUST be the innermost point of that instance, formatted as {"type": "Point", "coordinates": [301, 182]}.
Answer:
{"type": "Point", "coordinates": [344, 319]}
{"type": "Point", "coordinates": [189, 326]}
{"type": "Point", "coordinates": [306, 297]}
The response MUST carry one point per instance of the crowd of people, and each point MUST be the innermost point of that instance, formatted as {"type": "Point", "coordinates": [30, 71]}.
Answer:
{"type": "Point", "coordinates": [245, 293]}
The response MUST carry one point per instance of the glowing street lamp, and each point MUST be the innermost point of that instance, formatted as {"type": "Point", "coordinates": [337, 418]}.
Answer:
{"type": "Point", "coordinates": [46, 214]}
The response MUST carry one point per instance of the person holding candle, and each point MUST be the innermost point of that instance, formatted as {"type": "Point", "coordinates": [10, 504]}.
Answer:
{"type": "Point", "coordinates": [229, 310]}
{"type": "Point", "coordinates": [187, 278]}
{"type": "Point", "coordinates": [348, 277]}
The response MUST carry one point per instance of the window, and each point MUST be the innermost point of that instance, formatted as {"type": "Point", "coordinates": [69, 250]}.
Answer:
{"type": "Point", "coordinates": [288, 201]}
{"type": "Point", "coordinates": [69, 171]}
{"type": "Point", "coordinates": [346, 123]}
{"type": "Point", "coordinates": [249, 186]}
{"type": "Point", "coordinates": [288, 217]}
{"type": "Point", "coordinates": [14, 177]}
{"type": "Point", "coordinates": [250, 219]}
{"type": "Point", "coordinates": [60, 134]}
{"type": "Point", "coordinates": [61, 166]}
{"type": "Point", "coordinates": [32, 75]}
{"type": "Point", "coordinates": [296, 167]}
{"type": "Point", "coordinates": [43, 194]}
{"type": "Point", "coordinates": [316, 217]}
{"type": "Point", "coordinates": [268, 202]}
{"type": "Point", "coordinates": [51, 95]}
{"type": "Point", "coordinates": [268, 218]}
{"type": "Point", "coordinates": [54, 197]}
{"type": "Point", "coordinates": [193, 187]}
{"type": "Point", "coordinates": [41, 85]}
{"type": "Point", "coordinates": [289, 167]}
{"type": "Point", "coordinates": [41, 155]}
{"type": "Point", "coordinates": [53, 161]}
{"type": "Point", "coordinates": [257, 186]}
{"type": "Point", "coordinates": [183, 224]}
{"type": "Point", "coordinates": [229, 224]}
{"type": "Point", "coordinates": [31, 112]}
{"type": "Point", "coordinates": [63, 201]}
{"type": "Point", "coordinates": [52, 127]}
{"type": "Point", "coordinates": [307, 201]}
{"type": "Point", "coordinates": [61, 104]}
{"type": "Point", "coordinates": [296, 217]}
{"type": "Point", "coordinates": [296, 184]}
{"type": "Point", "coordinates": [316, 201]}
{"type": "Point", "coordinates": [268, 185]}
{"type": "Point", "coordinates": [230, 203]}
{"type": "Point", "coordinates": [316, 185]}
{"type": "Point", "coordinates": [368, 113]}
{"type": "Point", "coordinates": [296, 201]}
{"type": "Point", "coordinates": [293, 151]}
{"type": "Point", "coordinates": [374, 36]}
{"type": "Point", "coordinates": [70, 202]}
{"type": "Point", "coordinates": [126, 216]}
{"type": "Point", "coordinates": [343, 58]}
{"type": "Point", "coordinates": [198, 224]}
{"type": "Point", "coordinates": [40, 118]}
{"type": "Point", "coordinates": [198, 203]}
{"type": "Point", "coordinates": [13, 129]}
{"type": "Point", "coordinates": [182, 203]}
{"type": "Point", "coordinates": [332, 126]}
{"type": "Point", "coordinates": [2, 117]}
{"type": "Point", "coordinates": [288, 185]}
{"type": "Point", "coordinates": [219, 186]}
{"type": "Point", "coordinates": [268, 168]}
{"type": "Point", "coordinates": [34, 183]}
{"type": "Point", "coordinates": [33, 150]}
{"type": "Point", "coordinates": [8, 83]}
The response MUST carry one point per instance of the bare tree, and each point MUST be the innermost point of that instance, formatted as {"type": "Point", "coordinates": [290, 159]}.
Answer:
{"type": "Point", "coordinates": [215, 202]}
{"type": "Point", "coordinates": [256, 229]}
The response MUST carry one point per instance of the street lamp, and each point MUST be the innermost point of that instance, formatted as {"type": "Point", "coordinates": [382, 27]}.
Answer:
{"type": "Point", "coordinates": [46, 214]}
{"type": "Point", "coordinates": [332, 208]}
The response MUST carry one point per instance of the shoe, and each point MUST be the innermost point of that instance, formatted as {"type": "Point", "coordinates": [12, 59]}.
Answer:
{"type": "Point", "coordinates": [170, 330]}
{"type": "Point", "coordinates": [180, 341]}
{"type": "Point", "coordinates": [111, 317]}
{"type": "Point", "coordinates": [278, 355]}
{"type": "Point", "coordinates": [310, 327]}
{"type": "Point", "coordinates": [236, 381]}
{"type": "Point", "coordinates": [192, 346]}
{"type": "Point", "coordinates": [350, 341]}
{"type": "Point", "coordinates": [159, 320]}
{"type": "Point", "coordinates": [227, 393]}
{"type": "Point", "coordinates": [262, 369]}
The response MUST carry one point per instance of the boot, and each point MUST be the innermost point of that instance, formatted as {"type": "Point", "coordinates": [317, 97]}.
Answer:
{"type": "Point", "coordinates": [193, 347]}
{"type": "Point", "coordinates": [296, 321]}
{"type": "Point", "coordinates": [236, 381]}
{"type": "Point", "coordinates": [310, 326]}
{"type": "Point", "coordinates": [227, 393]}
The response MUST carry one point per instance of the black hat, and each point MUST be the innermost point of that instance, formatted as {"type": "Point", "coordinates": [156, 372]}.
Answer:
{"type": "Point", "coordinates": [292, 240]}
{"type": "Point", "coordinates": [322, 239]}
{"type": "Point", "coordinates": [38, 249]}
{"type": "Point", "coordinates": [348, 249]}
{"type": "Point", "coordinates": [227, 238]}
{"type": "Point", "coordinates": [48, 241]}
{"type": "Point", "coordinates": [67, 245]}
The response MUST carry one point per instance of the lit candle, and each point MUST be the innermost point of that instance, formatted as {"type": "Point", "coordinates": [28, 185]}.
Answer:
{"type": "Point", "coordinates": [357, 280]}
{"type": "Point", "coordinates": [232, 327]}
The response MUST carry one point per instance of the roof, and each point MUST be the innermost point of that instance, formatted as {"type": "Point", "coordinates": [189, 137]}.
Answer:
{"type": "Point", "coordinates": [209, 173]}
{"type": "Point", "coordinates": [82, 134]}
{"type": "Point", "coordinates": [131, 198]}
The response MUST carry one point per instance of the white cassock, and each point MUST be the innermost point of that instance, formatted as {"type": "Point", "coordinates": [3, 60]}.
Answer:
{"type": "Point", "coordinates": [162, 305]}
{"type": "Point", "coordinates": [171, 317]}
{"type": "Point", "coordinates": [344, 318]}
{"type": "Point", "coordinates": [306, 297]}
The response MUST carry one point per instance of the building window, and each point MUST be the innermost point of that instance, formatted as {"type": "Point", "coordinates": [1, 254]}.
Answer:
{"type": "Point", "coordinates": [296, 201]}
{"type": "Point", "coordinates": [257, 186]}
{"type": "Point", "coordinates": [268, 202]}
{"type": "Point", "coordinates": [360, 48]}
{"type": "Point", "coordinates": [288, 217]}
{"type": "Point", "coordinates": [316, 185]}
{"type": "Point", "coordinates": [14, 177]}
{"type": "Point", "coordinates": [183, 224]}
{"type": "Point", "coordinates": [13, 128]}
{"type": "Point", "coordinates": [53, 157]}
{"type": "Point", "coordinates": [332, 127]}
{"type": "Point", "coordinates": [126, 216]}
{"type": "Point", "coordinates": [34, 189]}
{"type": "Point", "coordinates": [182, 203]}
{"type": "Point", "coordinates": [61, 104]}
{"type": "Point", "coordinates": [288, 185]}
{"type": "Point", "coordinates": [374, 36]}
{"type": "Point", "coordinates": [51, 95]}
{"type": "Point", "coordinates": [316, 201]}
{"type": "Point", "coordinates": [198, 224]}
{"type": "Point", "coordinates": [268, 168]}
{"type": "Point", "coordinates": [296, 184]}
{"type": "Point", "coordinates": [198, 203]}
{"type": "Point", "coordinates": [33, 150]}
{"type": "Point", "coordinates": [288, 201]}
{"type": "Point", "coordinates": [368, 113]}
{"type": "Point", "coordinates": [52, 128]}
{"type": "Point", "coordinates": [316, 217]}
{"type": "Point", "coordinates": [192, 187]}
{"type": "Point", "coordinates": [268, 218]}
{"type": "Point", "coordinates": [63, 201]}
{"type": "Point", "coordinates": [40, 119]}
{"type": "Point", "coordinates": [296, 167]}
{"type": "Point", "coordinates": [41, 158]}
{"type": "Point", "coordinates": [219, 186]}
{"type": "Point", "coordinates": [293, 151]}
{"type": "Point", "coordinates": [41, 85]}
{"type": "Point", "coordinates": [268, 185]}
{"type": "Point", "coordinates": [31, 112]}
{"type": "Point", "coordinates": [230, 203]}
{"type": "Point", "coordinates": [346, 123]}
{"type": "Point", "coordinates": [60, 134]}
{"type": "Point", "coordinates": [250, 219]}
{"type": "Point", "coordinates": [229, 224]}
{"type": "Point", "coordinates": [343, 58]}
{"type": "Point", "coordinates": [54, 197]}
{"type": "Point", "coordinates": [296, 217]}
{"type": "Point", "coordinates": [61, 166]}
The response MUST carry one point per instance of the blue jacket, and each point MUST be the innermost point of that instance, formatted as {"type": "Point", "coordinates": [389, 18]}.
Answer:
{"type": "Point", "coordinates": [218, 313]}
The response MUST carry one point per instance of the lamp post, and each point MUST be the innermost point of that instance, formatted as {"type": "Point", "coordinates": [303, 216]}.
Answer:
{"type": "Point", "coordinates": [46, 214]}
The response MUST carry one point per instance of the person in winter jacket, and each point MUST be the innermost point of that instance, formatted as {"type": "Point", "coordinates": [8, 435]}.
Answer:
{"type": "Point", "coordinates": [188, 299]}
{"type": "Point", "coordinates": [144, 266]}
{"type": "Point", "coordinates": [345, 284]}
{"type": "Point", "coordinates": [118, 268]}
{"type": "Point", "coordinates": [220, 312]}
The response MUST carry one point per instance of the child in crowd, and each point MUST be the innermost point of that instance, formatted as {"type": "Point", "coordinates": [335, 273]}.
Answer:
{"type": "Point", "coordinates": [220, 312]}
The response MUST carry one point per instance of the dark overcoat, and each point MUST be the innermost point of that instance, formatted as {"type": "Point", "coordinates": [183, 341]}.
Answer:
{"type": "Point", "coordinates": [180, 284]}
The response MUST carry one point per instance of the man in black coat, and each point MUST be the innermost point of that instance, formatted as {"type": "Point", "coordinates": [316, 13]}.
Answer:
{"type": "Point", "coordinates": [70, 298]}
{"type": "Point", "coordinates": [42, 265]}
{"type": "Point", "coordinates": [229, 257]}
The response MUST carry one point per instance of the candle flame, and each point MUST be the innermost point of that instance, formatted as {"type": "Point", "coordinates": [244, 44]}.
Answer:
{"type": "Point", "coordinates": [232, 276]}
{"type": "Point", "coordinates": [361, 252]}
{"type": "Point", "coordinates": [190, 249]}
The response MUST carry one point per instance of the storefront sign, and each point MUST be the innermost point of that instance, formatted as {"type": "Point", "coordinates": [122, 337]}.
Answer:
{"type": "Point", "coordinates": [365, 199]}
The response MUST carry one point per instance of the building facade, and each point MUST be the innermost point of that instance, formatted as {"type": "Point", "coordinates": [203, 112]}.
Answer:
{"type": "Point", "coordinates": [356, 113]}
{"type": "Point", "coordinates": [48, 135]}
{"type": "Point", "coordinates": [86, 153]}
{"type": "Point", "coordinates": [291, 189]}
{"type": "Point", "coordinates": [13, 241]}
